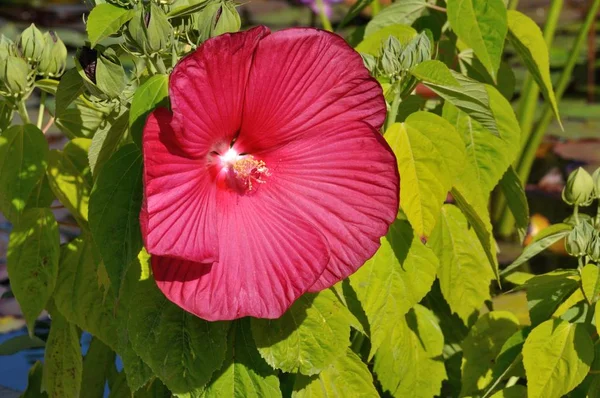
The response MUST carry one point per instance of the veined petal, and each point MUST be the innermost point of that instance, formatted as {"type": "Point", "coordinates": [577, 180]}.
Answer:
{"type": "Point", "coordinates": [269, 258]}
{"type": "Point", "coordinates": [345, 182]}
{"type": "Point", "coordinates": [207, 91]}
{"type": "Point", "coordinates": [300, 79]}
{"type": "Point", "coordinates": [178, 216]}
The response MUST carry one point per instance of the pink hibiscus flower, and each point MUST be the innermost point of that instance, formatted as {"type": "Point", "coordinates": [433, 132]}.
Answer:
{"type": "Point", "coordinates": [269, 178]}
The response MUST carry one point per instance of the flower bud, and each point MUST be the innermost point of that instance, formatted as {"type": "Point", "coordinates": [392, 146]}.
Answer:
{"type": "Point", "coordinates": [593, 249]}
{"type": "Point", "coordinates": [579, 238]}
{"type": "Point", "coordinates": [7, 47]}
{"type": "Point", "coordinates": [14, 74]}
{"type": "Point", "coordinates": [579, 188]}
{"type": "Point", "coordinates": [596, 178]}
{"type": "Point", "coordinates": [32, 43]}
{"type": "Point", "coordinates": [110, 76]}
{"type": "Point", "coordinates": [390, 57]}
{"type": "Point", "coordinates": [123, 3]}
{"type": "Point", "coordinates": [54, 57]}
{"type": "Point", "coordinates": [150, 30]}
{"type": "Point", "coordinates": [226, 20]}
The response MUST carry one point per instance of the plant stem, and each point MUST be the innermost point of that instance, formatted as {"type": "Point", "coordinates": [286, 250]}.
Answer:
{"type": "Point", "coordinates": [513, 4]}
{"type": "Point", "coordinates": [323, 15]}
{"type": "Point", "coordinates": [491, 388]}
{"type": "Point", "coordinates": [42, 109]}
{"type": "Point", "coordinates": [23, 111]}
{"type": "Point", "coordinates": [375, 7]}
{"type": "Point", "coordinates": [598, 215]}
{"type": "Point", "coordinates": [576, 214]}
{"type": "Point", "coordinates": [435, 7]}
{"type": "Point", "coordinates": [391, 119]}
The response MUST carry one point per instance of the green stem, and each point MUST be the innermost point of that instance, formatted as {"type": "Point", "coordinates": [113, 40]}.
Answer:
{"type": "Point", "coordinates": [513, 4]}
{"type": "Point", "coordinates": [375, 7]}
{"type": "Point", "coordinates": [576, 214]}
{"type": "Point", "coordinates": [23, 111]}
{"type": "Point", "coordinates": [598, 215]}
{"type": "Point", "coordinates": [42, 109]}
{"type": "Point", "coordinates": [391, 119]}
{"type": "Point", "coordinates": [492, 387]}
{"type": "Point", "coordinates": [323, 16]}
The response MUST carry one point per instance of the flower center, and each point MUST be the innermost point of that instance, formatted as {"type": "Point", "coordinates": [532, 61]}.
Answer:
{"type": "Point", "coordinates": [242, 171]}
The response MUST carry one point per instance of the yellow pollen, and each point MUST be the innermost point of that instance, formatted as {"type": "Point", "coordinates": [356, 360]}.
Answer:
{"type": "Point", "coordinates": [249, 169]}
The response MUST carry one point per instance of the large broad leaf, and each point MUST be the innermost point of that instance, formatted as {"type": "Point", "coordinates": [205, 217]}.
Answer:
{"type": "Point", "coordinates": [516, 391]}
{"type": "Point", "coordinates": [590, 282]}
{"type": "Point", "coordinates": [106, 141]}
{"type": "Point", "coordinates": [463, 273]}
{"type": "Point", "coordinates": [527, 38]}
{"type": "Point", "coordinates": [481, 347]}
{"type": "Point", "coordinates": [401, 12]}
{"type": "Point", "coordinates": [244, 373]}
{"type": "Point", "coordinates": [348, 376]}
{"type": "Point", "coordinates": [19, 343]}
{"type": "Point", "coordinates": [408, 363]}
{"type": "Point", "coordinates": [152, 94]}
{"type": "Point", "coordinates": [546, 292]}
{"type": "Point", "coordinates": [182, 350]}
{"type": "Point", "coordinates": [34, 382]}
{"type": "Point", "coordinates": [114, 209]}
{"type": "Point", "coordinates": [482, 25]}
{"type": "Point", "coordinates": [79, 121]}
{"type": "Point", "coordinates": [23, 160]}
{"type": "Point", "coordinates": [557, 356]}
{"type": "Point", "coordinates": [33, 254]}
{"type": "Point", "coordinates": [308, 337]}
{"type": "Point", "coordinates": [431, 155]}
{"type": "Point", "coordinates": [62, 360]}
{"type": "Point", "coordinates": [69, 88]}
{"type": "Point", "coordinates": [513, 191]}
{"type": "Point", "coordinates": [372, 43]}
{"type": "Point", "coordinates": [97, 365]}
{"type": "Point", "coordinates": [105, 20]}
{"type": "Point", "coordinates": [70, 178]}
{"type": "Point", "coordinates": [396, 278]}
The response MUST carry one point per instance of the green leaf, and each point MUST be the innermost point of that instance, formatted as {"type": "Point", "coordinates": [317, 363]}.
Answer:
{"type": "Point", "coordinates": [69, 89]}
{"type": "Point", "coordinates": [396, 278]}
{"type": "Point", "coordinates": [546, 238]}
{"type": "Point", "coordinates": [481, 347]}
{"type": "Point", "coordinates": [96, 366]}
{"type": "Point", "coordinates": [463, 273]}
{"type": "Point", "coordinates": [516, 391]}
{"type": "Point", "coordinates": [434, 72]}
{"type": "Point", "coordinates": [408, 364]}
{"type": "Point", "coordinates": [557, 356]}
{"type": "Point", "coordinates": [47, 85]}
{"type": "Point", "coordinates": [430, 157]}
{"type": "Point", "coordinates": [513, 191]}
{"type": "Point", "coordinates": [482, 25]}
{"type": "Point", "coordinates": [79, 121]}
{"type": "Point", "coordinates": [182, 350]}
{"type": "Point", "coordinates": [62, 359]}
{"type": "Point", "coordinates": [150, 95]}
{"type": "Point", "coordinates": [34, 382]}
{"type": "Point", "coordinates": [192, 7]}
{"type": "Point", "coordinates": [347, 376]}
{"type": "Point", "coordinates": [244, 373]}
{"type": "Point", "coordinates": [104, 20]}
{"type": "Point", "coordinates": [590, 282]}
{"type": "Point", "coordinates": [20, 343]}
{"type": "Point", "coordinates": [6, 115]}
{"type": "Point", "coordinates": [33, 253]}
{"type": "Point", "coordinates": [23, 160]}
{"type": "Point", "coordinates": [546, 292]}
{"type": "Point", "coordinates": [70, 177]}
{"type": "Point", "coordinates": [41, 196]}
{"type": "Point", "coordinates": [528, 40]}
{"type": "Point", "coordinates": [106, 141]}
{"type": "Point", "coordinates": [402, 12]}
{"type": "Point", "coordinates": [509, 361]}
{"type": "Point", "coordinates": [373, 42]}
{"type": "Point", "coordinates": [311, 334]}
{"type": "Point", "coordinates": [114, 209]}
{"type": "Point", "coordinates": [353, 12]}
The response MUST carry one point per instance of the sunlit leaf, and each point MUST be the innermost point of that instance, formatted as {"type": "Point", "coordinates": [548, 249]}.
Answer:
{"type": "Point", "coordinates": [401, 12]}
{"type": "Point", "coordinates": [150, 95]}
{"type": "Point", "coordinates": [373, 42]}
{"type": "Point", "coordinates": [546, 292]}
{"type": "Point", "coordinates": [105, 20]}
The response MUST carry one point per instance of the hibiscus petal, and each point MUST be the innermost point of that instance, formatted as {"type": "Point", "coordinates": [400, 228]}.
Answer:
{"type": "Point", "coordinates": [178, 214]}
{"type": "Point", "coordinates": [207, 90]}
{"type": "Point", "coordinates": [345, 182]}
{"type": "Point", "coordinates": [269, 258]}
{"type": "Point", "coordinates": [302, 78]}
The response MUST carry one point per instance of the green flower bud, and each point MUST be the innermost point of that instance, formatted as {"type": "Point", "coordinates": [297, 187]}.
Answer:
{"type": "Point", "coordinates": [123, 3]}
{"type": "Point", "coordinates": [226, 20]}
{"type": "Point", "coordinates": [596, 178]}
{"type": "Point", "coordinates": [390, 57]}
{"type": "Point", "coordinates": [14, 74]}
{"type": "Point", "coordinates": [579, 188]}
{"type": "Point", "coordinates": [32, 43]}
{"type": "Point", "coordinates": [86, 63]}
{"type": "Point", "coordinates": [110, 75]}
{"type": "Point", "coordinates": [370, 62]}
{"type": "Point", "coordinates": [593, 249]}
{"type": "Point", "coordinates": [578, 240]}
{"type": "Point", "coordinates": [150, 30]}
{"type": "Point", "coordinates": [54, 57]}
{"type": "Point", "coordinates": [7, 47]}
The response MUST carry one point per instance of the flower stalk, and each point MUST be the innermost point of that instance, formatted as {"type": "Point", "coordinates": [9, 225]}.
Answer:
{"type": "Point", "coordinates": [323, 16]}
{"type": "Point", "coordinates": [23, 111]}
{"type": "Point", "coordinates": [42, 109]}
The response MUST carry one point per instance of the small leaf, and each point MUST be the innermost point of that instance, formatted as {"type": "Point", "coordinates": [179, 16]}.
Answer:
{"type": "Point", "coordinates": [513, 191]}
{"type": "Point", "coordinates": [114, 209]}
{"type": "Point", "coordinates": [308, 337]}
{"type": "Point", "coordinates": [373, 42]}
{"type": "Point", "coordinates": [590, 282]}
{"type": "Point", "coordinates": [557, 356]}
{"type": "Point", "coordinates": [434, 72]}
{"type": "Point", "coordinates": [348, 376]}
{"type": "Point", "coordinates": [430, 157]}
{"type": "Point", "coordinates": [70, 88]}
{"type": "Point", "coordinates": [408, 364]}
{"type": "Point", "coordinates": [244, 373]}
{"type": "Point", "coordinates": [527, 38]}
{"type": "Point", "coordinates": [403, 12]}
{"type": "Point", "coordinates": [96, 366]}
{"type": "Point", "coordinates": [33, 254]}
{"type": "Point", "coordinates": [182, 350]}
{"type": "Point", "coordinates": [23, 160]}
{"type": "Point", "coordinates": [62, 359]}
{"type": "Point", "coordinates": [150, 95]}
{"type": "Point", "coordinates": [481, 347]}
{"type": "Point", "coordinates": [482, 25]}
{"type": "Point", "coordinates": [463, 273]}
{"type": "Point", "coordinates": [34, 382]}
{"type": "Point", "coordinates": [106, 141]}
{"type": "Point", "coordinates": [20, 343]}
{"type": "Point", "coordinates": [104, 20]}
{"type": "Point", "coordinates": [542, 240]}
{"type": "Point", "coordinates": [396, 278]}
{"type": "Point", "coordinates": [546, 292]}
